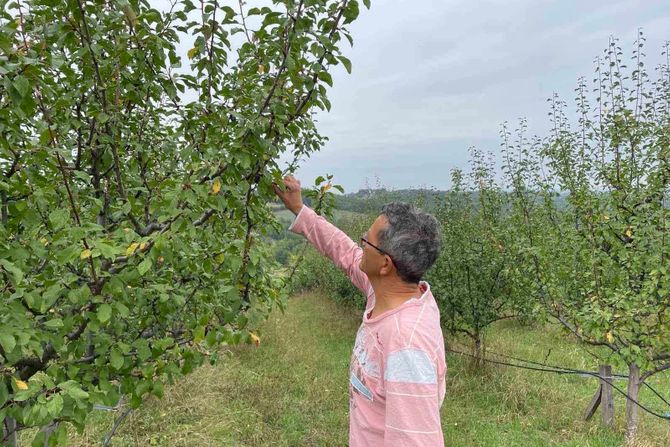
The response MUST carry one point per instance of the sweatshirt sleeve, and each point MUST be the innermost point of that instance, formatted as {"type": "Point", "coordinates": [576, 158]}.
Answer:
{"type": "Point", "coordinates": [412, 399]}
{"type": "Point", "coordinates": [334, 243]}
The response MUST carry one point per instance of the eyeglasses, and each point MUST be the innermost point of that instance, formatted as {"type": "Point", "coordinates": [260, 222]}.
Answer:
{"type": "Point", "coordinates": [364, 240]}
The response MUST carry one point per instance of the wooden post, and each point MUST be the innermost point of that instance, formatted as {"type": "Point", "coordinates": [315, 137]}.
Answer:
{"type": "Point", "coordinates": [632, 413]}
{"type": "Point", "coordinates": [603, 396]}
{"type": "Point", "coordinates": [593, 405]}
{"type": "Point", "coordinates": [607, 395]}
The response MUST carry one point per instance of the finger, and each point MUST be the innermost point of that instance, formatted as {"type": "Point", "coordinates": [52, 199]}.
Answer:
{"type": "Point", "coordinates": [290, 180]}
{"type": "Point", "coordinates": [290, 186]}
{"type": "Point", "coordinates": [293, 182]}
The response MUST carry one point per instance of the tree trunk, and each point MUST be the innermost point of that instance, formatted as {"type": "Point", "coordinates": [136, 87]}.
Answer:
{"type": "Point", "coordinates": [478, 351]}
{"type": "Point", "coordinates": [9, 433]}
{"type": "Point", "coordinates": [632, 414]}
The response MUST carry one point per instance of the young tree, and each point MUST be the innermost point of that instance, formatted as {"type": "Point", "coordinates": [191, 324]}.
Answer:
{"type": "Point", "coordinates": [132, 194]}
{"type": "Point", "coordinates": [474, 270]}
{"type": "Point", "coordinates": [601, 266]}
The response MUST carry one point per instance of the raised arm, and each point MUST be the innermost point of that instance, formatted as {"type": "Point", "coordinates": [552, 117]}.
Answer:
{"type": "Point", "coordinates": [324, 236]}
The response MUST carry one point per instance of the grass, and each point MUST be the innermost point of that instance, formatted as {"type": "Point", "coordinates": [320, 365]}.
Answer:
{"type": "Point", "coordinates": [503, 406]}
{"type": "Point", "coordinates": [292, 391]}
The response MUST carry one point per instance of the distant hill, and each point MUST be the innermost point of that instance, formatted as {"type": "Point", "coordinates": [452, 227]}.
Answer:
{"type": "Point", "coordinates": [371, 201]}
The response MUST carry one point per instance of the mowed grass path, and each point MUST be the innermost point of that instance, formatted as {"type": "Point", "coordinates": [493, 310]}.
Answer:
{"type": "Point", "coordinates": [292, 391]}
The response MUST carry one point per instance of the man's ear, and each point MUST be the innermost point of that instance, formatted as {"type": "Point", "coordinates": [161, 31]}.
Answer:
{"type": "Point", "coordinates": [387, 267]}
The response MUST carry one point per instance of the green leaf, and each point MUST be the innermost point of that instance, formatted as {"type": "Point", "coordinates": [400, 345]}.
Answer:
{"type": "Point", "coordinates": [61, 434]}
{"type": "Point", "coordinates": [319, 180]}
{"type": "Point", "coordinates": [54, 323]}
{"type": "Point", "coordinates": [59, 217]}
{"type": "Point", "coordinates": [55, 405]}
{"type": "Point", "coordinates": [346, 62]}
{"type": "Point", "coordinates": [81, 175]}
{"type": "Point", "coordinates": [211, 338]}
{"type": "Point", "coordinates": [144, 266]}
{"type": "Point", "coordinates": [157, 389]}
{"type": "Point", "coordinates": [7, 341]}
{"type": "Point", "coordinates": [326, 77]}
{"type": "Point", "coordinates": [13, 270]}
{"type": "Point", "coordinates": [350, 12]}
{"type": "Point", "coordinates": [142, 349]}
{"type": "Point", "coordinates": [366, 3]}
{"type": "Point", "coordinates": [107, 251]}
{"type": "Point", "coordinates": [104, 312]}
{"type": "Point", "coordinates": [116, 359]}
{"type": "Point", "coordinates": [39, 440]}
{"type": "Point", "coordinates": [77, 393]}
{"type": "Point", "coordinates": [122, 309]}
{"type": "Point", "coordinates": [199, 334]}
{"type": "Point", "coordinates": [22, 85]}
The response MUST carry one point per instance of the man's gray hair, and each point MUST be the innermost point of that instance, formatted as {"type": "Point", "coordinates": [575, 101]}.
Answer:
{"type": "Point", "coordinates": [412, 238]}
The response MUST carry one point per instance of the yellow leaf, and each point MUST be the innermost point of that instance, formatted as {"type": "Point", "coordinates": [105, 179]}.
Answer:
{"type": "Point", "coordinates": [143, 245]}
{"type": "Point", "coordinates": [606, 217]}
{"type": "Point", "coordinates": [85, 254]}
{"type": "Point", "coordinates": [20, 384]}
{"type": "Point", "coordinates": [216, 186]}
{"type": "Point", "coordinates": [261, 69]}
{"type": "Point", "coordinates": [192, 52]}
{"type": "Point", "coordinates": [255, 339]}
{"type": "Point", "coordinates": [610, 337]}
{"type": "Point", "coordinates": [629, 232]}
{"type": "Point", "coordinates": [44, 241]}
{"type": "Point", "coordinates": [327, 187]}
{"type": "Point", "coordinates": [131, 248]}
{"type": "Point", "coordinates": [161, 259]}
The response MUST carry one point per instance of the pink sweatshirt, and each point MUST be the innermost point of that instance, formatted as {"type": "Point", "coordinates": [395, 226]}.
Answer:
{"type": "Point", "coordinates": [397, 371]}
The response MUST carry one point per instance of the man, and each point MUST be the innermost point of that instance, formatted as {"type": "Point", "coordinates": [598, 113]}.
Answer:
{"type": "Point", "coordinates": [398, 368]}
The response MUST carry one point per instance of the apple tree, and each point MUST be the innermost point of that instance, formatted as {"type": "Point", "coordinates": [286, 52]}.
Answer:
{"type": "Point", "coordinates": [134, 190]}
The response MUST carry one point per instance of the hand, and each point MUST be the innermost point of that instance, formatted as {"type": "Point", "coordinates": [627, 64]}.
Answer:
{"type": "Point", "coordinates": [292, 195]}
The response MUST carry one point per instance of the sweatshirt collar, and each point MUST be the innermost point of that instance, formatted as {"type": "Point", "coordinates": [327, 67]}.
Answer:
{"type": "Point", "coordinates": [424, 287]}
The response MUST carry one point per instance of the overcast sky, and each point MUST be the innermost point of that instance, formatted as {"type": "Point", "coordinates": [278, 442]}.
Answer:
{"type": "Point", "coordinates": [433, 77]}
